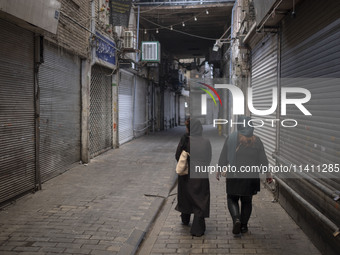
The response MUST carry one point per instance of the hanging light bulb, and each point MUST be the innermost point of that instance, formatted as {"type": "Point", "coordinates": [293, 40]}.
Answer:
{"type": "Point", "coordinates": [183, 24]}
{"type": "Point", "coordinates": [171, 28]}
{"type": "Point", "coordinates": [144, 31]}
{"type": "Point", "coordinates": [207, 12]}
{"type": "Point", "coordinates": [195, 18]}
{"type": "Point", "coordinates": [157, 31]}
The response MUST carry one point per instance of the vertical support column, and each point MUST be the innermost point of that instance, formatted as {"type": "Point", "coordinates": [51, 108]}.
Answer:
{"type": "Point", "coordinates": [114, 110]}
{"type": "Point", "coordinates": [85, 99]}
{"type": "Point", "coordinates": [38, 59]}
{"type": "Point", "coordinates": [153, 107]}
{"type": "Point", "coordinates": [85, 93]}
{"type": "Point", "coordinates": [161, 109]}
{"type": "Point", "coordinates": [134, 105]}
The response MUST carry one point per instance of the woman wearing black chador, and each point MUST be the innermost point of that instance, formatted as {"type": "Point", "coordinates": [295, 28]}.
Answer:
{"type": "Point", "coordinates": [193, 189]}
{"type": "Point", "coordinates": [242, 148]}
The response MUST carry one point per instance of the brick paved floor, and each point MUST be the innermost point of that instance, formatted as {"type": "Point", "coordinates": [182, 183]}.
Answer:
{"type": "Point", "coordinates": [107, 207]}
{"type": "Point", "coordinates": [102, 208]}
{"type": "Point", "coordinates": [271, 230]}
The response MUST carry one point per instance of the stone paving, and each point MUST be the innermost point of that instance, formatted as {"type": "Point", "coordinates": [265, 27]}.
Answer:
{"type": "Point", "coordinates": [108, 206]}
{"type": "Point", "coordinates": [271, 230]}
{"type": "Point", "coordinates": [105, 207]}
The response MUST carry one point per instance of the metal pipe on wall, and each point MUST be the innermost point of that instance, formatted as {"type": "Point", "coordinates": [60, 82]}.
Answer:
{"type": "Point", "coordinates": [310, 208]}
{"type": "Point", "coordinates": [93, 29]}
{"type": "Point", "coordinates": [230, 100]}
{"type": "Point", "coordinates": [185, 2]}
{"type": "Point", "coordinates": [153, 106]}
{"type": "Point", "coordinates": [137, 55]}
{"type": "Point", "coordinates": [332, 194]}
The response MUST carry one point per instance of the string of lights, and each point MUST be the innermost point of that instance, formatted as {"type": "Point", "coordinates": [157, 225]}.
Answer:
{"type": "Point", "coordinates": [175, 30]}
{"type": "Point", "coordinates": [170, 27]}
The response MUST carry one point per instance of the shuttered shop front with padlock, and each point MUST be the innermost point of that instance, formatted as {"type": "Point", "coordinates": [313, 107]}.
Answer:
{"type": "Point", "coordinates": [100, 120]}
{"type": "Point", "coordinates": [125, 104]}
{"type": "Point", "coordinates": [17, 122]}
{"type": "Point", "coordinates": [60, 111]}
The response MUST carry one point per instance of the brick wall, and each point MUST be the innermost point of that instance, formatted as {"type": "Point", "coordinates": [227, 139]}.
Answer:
{"type": "Point", "coordinates": [75, 22]}
{"type": "Point", "coordinates": [70, 35]}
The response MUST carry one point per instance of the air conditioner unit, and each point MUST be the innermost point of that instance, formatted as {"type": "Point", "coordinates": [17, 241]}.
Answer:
{"type": "Point", "coordinates": [151, 51]}
{"type": "Point", "coordinates": [128, 40]}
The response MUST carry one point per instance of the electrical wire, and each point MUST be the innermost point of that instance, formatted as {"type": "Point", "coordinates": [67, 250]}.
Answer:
{"type": "Point", "coordinates": [85, 28]}
{"type": "Point", "coordinates": [182, 32]}
{"type": "Point", "coordinates": [175, 30]}
{"type": "Point", "coordinates": [151, 8]}
{"type": "Point", "coordinates": [180, 22]}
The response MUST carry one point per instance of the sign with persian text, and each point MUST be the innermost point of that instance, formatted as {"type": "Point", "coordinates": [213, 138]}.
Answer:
{"type": "Point", "coordinates": [120, 12]}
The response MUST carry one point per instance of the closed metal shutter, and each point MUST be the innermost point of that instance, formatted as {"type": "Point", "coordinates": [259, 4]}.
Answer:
{"type": "Point", "coordinates": [60, 111]}
{"type": "Point", "coordinates": [125, 103]}
{"type": "Point", "coordinates": [209, 118]}
{"type": "Point", "coordinates": [158, 109]}
{"type": "Point", "coordinates": [310, 59]}
{"type": "Point", "coordinates": [17, 124]}
{"type": "Point", "coordinates": [167, 110]}
{"type": "Point", "coordinates": [141, 122]}
{"type": "Point", "coordinates": [172, 109]}
{"type": "Point", "coordinates": [182, 101]}
{"type": "Point", "coordinates": [177, 109]}
{"type": "Point", "coordinates": [100, 120]}
{"type": "Point", "coordinates": [263, 79]}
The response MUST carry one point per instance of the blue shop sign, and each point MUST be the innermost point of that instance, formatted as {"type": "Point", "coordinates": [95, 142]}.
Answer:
{"type": "Point", "coordinates": [106, 49]}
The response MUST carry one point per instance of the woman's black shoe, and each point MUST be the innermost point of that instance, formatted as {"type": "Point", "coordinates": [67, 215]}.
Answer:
{"type": "Point", "coordinates": [237, 227]}
{"type": "Point", "coordinates": [185, 218]}
{"type": "Point", "coordinates": [198, 235]}
{"type": "Point", "coordinates": [244, 229]}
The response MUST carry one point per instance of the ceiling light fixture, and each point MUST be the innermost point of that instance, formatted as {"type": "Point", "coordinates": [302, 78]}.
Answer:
{"type": "Point", "coordinates": [183, 24]}
{"type": "Point", "coordinates": [171, 28]}
{"type": "Point", "coordinates": [144, 31]}
{"type": "Point", "coordinates": [217, 45]}
{"type": "Point", "coordinates": [207, 12]}
{"type": "Point", "coordinates": [157, 31]}
{"type": "Point", "coordinates": [219, 42]}
{"type": "Point", "coordinates": [195, 18]}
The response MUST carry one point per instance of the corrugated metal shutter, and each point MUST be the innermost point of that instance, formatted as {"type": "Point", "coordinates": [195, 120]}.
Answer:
{"type": "Point", "coordinates": [17, 124]}
{"type": "Point", "coordinates": [100, 120]}
{"type": "Point", "coordinates": [177, 109]}
{"type": "Point", "coordinates": [182, 101]}
{"type": "Point", "coordinates": [158, 108]}
{"type": "Point", "coordinates": [172, 109]}
{"type": "Point", "coordinates": [166, 109]}
{"type": "Point", "coordinates": [310, 59]}
{"type": "Point", "coordinates": [125, 103]}
{"type": "Point", "coordinates": [263, 79]}
{"type": "Point", "coordinates": [60, 111]}
{"type": "Point", "coordinates": [141, 122]}
{"type": "Point", "coordinates": [209, 118]}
